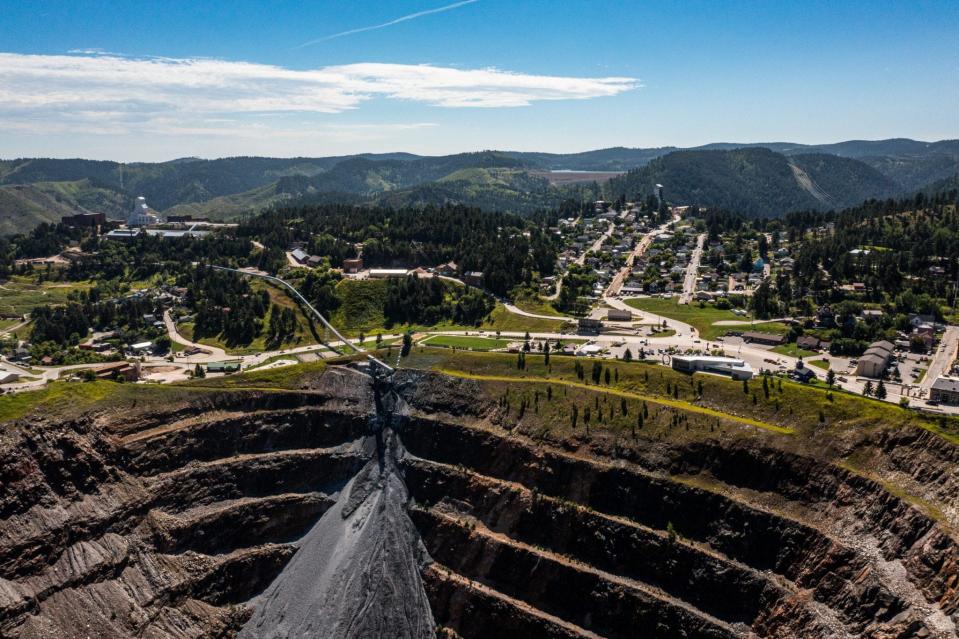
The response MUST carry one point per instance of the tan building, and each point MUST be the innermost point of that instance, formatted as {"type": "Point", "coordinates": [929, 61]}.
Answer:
{"type": "Point", "coordinates": [130, 371]}
{"type": "Point", "coordinates": [875, 360]}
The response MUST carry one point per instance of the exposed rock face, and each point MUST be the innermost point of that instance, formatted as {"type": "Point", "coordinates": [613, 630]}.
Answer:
{"type": "Point", "coordinates": [337, 512]}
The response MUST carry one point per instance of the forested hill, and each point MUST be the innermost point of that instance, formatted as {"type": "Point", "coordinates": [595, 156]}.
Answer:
{"type": "Point", "coordinates": [755, 181]}
{"type": "Point", "coordinates": [748, 177]}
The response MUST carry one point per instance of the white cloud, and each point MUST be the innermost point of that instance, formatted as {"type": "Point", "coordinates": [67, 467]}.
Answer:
{"type": "Point", "coordinates": [111, 93]}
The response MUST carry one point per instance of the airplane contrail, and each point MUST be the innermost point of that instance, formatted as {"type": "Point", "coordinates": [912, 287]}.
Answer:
{"type": "Point", "coordinates": [411, 16]}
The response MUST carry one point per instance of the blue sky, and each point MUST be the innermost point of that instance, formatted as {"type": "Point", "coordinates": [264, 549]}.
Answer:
{"type": "Point", "coordinates": [153, 81]}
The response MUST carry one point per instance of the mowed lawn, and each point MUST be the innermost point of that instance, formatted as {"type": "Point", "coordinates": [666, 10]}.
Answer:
{"type": "Point", "coordinates": [792, 350]}
{"type": "Point", "coordinates": [704, 319]}
{"type": "Point", "coordinates": [701, 319]}
{"type": "Point", "coordinates": [466, 341]}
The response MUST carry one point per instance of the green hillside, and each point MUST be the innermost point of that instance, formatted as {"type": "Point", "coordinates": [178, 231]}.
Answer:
{"type": "Point", "coordinates": [845, 181]}
{"type": "Point", "coordinates": [500, 189]}
{"type": "Point", "coordinates": [755, 181]}
{"type": "Point", "coordinates": [229, 207]}
{"type": "Point", "coordinates": [23, 206]}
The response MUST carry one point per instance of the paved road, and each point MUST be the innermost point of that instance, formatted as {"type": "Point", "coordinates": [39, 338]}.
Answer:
{"type": "Point", "coordinates": [213, 353]}
{"type": "Point", "coordinates": [582, 258]}
{"type": "Point", "coordinates": [598, 244]}
{"type": "Point", "coordinates": [518, 311]}
{"type": "Point", "coordinates": [692, 271]}
{"type": "Point", "coordinates": [684, 339]}
{"type": "Point", "coordinates": [617, 282]}
{"type": "Point", "coordinates": [11, 329]}
{"type": "Point", "coordinates": [942, 360]}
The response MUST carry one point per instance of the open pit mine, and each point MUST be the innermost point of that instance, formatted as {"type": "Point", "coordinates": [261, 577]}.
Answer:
{"type": "Point", "coordinates": [413, 505]}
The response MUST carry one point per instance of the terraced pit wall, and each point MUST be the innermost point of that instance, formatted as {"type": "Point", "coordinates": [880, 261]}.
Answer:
{"type": "Point", "coordinates": [237, 514]}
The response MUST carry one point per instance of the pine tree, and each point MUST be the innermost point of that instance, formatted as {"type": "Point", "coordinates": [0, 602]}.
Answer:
{"type": "Point", "coordinates": [867, 389]}
{"type": "Point", "coordinates": [881, 390]}
{"type": "Point", "coordinates": [597, 372]}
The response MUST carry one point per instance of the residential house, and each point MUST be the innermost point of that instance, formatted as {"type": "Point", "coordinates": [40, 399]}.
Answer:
{"type": "Point", "coordinates": [448, 269]}
{"type": "Point", "coordinates": [474, 278]}
{"type": "Point", "coordinates": [808, 342]}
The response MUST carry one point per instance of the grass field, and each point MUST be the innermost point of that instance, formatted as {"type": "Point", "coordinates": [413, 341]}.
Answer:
{"type": "Point", "coordinates": [284, 377]}
{"type": "Point", "coordinates": [361, 306]}
{"type": "Point", "coordinates": [699, 318]}
{"type": "Point", "coordinates": [663, 333]}
{"type": "Point", "coordinates": [70, 397]}
{"type": "Point", "coordinates": [502, 320]}
{"type": "Point", "coordinates": [466, 341]}
{"type": "Point", "coordinates": [20, 294]}
{"type": "Point", "coordinates": [776, 328]}
{"type": "Point", "coordinates": [536, 304]}
{"type": "Point", "coordinates": [792, 350]}
{"type": "Point", "coordinates": [819, 363]}
{"type": "Point", "coordinates": [788, 405]}
{"type": "Point", "coordinates": [61, 397]}
{"type": "Point", "coordinates": [703, 319]}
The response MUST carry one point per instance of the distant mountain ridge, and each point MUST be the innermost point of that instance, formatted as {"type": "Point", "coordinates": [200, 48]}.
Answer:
{"type": "Point", "coordinates": [756, 180]}
{"type": "Point", "coordinates": [796, 176]}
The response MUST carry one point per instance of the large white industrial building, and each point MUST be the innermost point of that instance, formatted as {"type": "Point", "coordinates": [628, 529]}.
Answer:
{"type": "Point", "coordinates": [142, 215]}
{"type": "Point", "coordinates": [735, 368]}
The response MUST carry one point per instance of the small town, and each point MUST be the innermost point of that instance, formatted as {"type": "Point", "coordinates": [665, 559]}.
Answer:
{"type": "Point", "coordinates": [631, 285]}
{"type": "Point", "coordinates": [479, 319]}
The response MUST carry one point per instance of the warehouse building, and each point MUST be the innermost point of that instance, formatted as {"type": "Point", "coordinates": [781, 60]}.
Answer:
{"type": "Point", "coordinates": [736, 368]}
{"type": "Point", "coordinates": [945, 390]}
